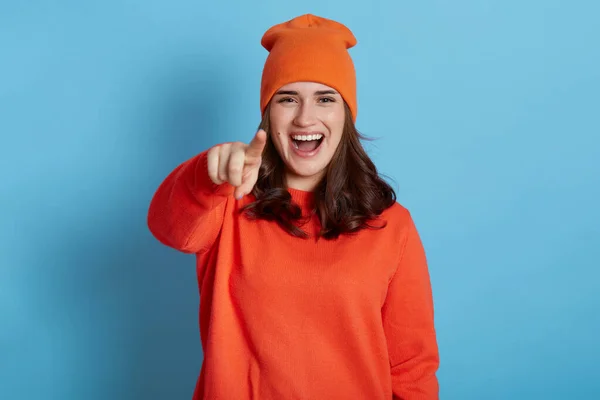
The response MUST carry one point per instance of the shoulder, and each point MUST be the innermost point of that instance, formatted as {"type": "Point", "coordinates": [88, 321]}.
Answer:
{"type": "Point", "coordinates": [399, 220]}
{"type": "Point", "coordinates": [397, 214]}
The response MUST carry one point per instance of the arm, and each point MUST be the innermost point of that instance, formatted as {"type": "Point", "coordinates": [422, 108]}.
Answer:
{"type": "Point", "coordinates": [408, 323]}
{"type": "Point", "coordinates": [186, 212]}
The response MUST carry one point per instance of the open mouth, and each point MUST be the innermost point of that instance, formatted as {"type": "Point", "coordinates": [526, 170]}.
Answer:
{"type": "Point", "coordinates": [307, 143]}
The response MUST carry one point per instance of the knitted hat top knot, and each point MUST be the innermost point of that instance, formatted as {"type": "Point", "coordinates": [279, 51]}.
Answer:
{"type": "Point", "coordinates": [309, 48]}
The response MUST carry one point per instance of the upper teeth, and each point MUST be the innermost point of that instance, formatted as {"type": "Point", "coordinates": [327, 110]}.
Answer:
{"type": "Point", "coordinates": [307, 137]}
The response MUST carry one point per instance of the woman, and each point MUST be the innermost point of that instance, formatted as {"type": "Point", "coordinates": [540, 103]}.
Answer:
{"type": "Point", "coordinates": [313, 280]}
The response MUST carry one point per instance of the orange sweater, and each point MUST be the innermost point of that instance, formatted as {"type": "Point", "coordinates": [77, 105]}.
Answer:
{"type": "Point", "coordinates": [285, 318]}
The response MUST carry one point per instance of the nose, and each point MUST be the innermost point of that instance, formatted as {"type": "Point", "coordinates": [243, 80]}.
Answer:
{"type": "Point", "coordinates": [305, 115]}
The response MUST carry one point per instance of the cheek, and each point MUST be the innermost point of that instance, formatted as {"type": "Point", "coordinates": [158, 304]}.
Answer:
{"type": "Point", "coordinates": [279, 117]}
{"type": "Point", "coordinates": [278, 122]}
{"type": "Point", "coordinates": [335, 116]}
{"type": "Point", "coordinates": [335, 121]}
{"type": "Point", "coordinates": [278, 140]}
{"type": "Point", "coordinates": [337, 139]}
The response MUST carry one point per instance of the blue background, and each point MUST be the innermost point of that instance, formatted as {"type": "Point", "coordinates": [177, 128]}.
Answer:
{"type": "Point", "coordinates": [486, 115]}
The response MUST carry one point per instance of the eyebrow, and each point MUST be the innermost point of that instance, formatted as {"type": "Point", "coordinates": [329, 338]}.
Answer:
{"type": "Point", "coordinates": [317, 93]}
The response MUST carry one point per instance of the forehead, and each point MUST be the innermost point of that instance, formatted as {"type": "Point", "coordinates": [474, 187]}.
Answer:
{"type": "Point", "coordinates": [305, 87]}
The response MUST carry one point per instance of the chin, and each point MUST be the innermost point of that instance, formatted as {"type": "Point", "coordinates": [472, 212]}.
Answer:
{"type": "Point", "coordinates": [309, 172]}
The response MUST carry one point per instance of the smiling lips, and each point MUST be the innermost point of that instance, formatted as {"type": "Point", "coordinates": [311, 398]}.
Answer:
{"type": "Point", "coordinates": [306, 144]}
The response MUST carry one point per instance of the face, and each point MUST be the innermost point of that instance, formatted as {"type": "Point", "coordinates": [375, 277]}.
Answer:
{"type": "Point", "coordinates": [307, 121]}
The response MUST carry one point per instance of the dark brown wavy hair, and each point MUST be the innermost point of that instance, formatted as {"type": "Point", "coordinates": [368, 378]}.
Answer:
{"type": "Point", "coordinates": [350, 197]}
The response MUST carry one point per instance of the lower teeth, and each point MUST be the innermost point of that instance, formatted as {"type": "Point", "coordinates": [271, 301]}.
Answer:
{"type": "Point", "coordinates": [298, 147]}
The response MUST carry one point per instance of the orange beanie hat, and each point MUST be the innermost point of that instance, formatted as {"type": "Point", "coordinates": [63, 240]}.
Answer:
{"type": "Point", "coordinates": [309, 49]}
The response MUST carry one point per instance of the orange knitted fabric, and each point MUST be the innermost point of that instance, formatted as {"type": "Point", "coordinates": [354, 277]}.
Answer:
{"type": "Point", "coordinates": [285, 318]}
{"type": "Point", "coordinates": [309, 49]}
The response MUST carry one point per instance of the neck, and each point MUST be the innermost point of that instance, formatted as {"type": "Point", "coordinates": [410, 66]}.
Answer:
{"type": "Point", "coordinates": [305, 183]}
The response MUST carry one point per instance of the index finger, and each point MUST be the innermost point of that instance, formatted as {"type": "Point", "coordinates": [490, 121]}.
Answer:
{"type": "Point", "coordinates": [257, 144]}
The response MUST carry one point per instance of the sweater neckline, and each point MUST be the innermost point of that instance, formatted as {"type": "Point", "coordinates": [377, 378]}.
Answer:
{"type": "Point", "coordinates": [303, 198]}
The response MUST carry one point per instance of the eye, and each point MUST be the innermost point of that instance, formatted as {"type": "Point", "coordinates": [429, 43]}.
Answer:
{"type": "Point", "coordinates": [285, 100]}
{"type": "Point", "coordinates": [327, 100]}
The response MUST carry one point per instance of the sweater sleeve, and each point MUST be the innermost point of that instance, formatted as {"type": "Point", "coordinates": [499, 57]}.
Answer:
{"type": "Point", "coordinates": [408, 323]}
{"type": "Point", "coordinates": [186, 212]}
